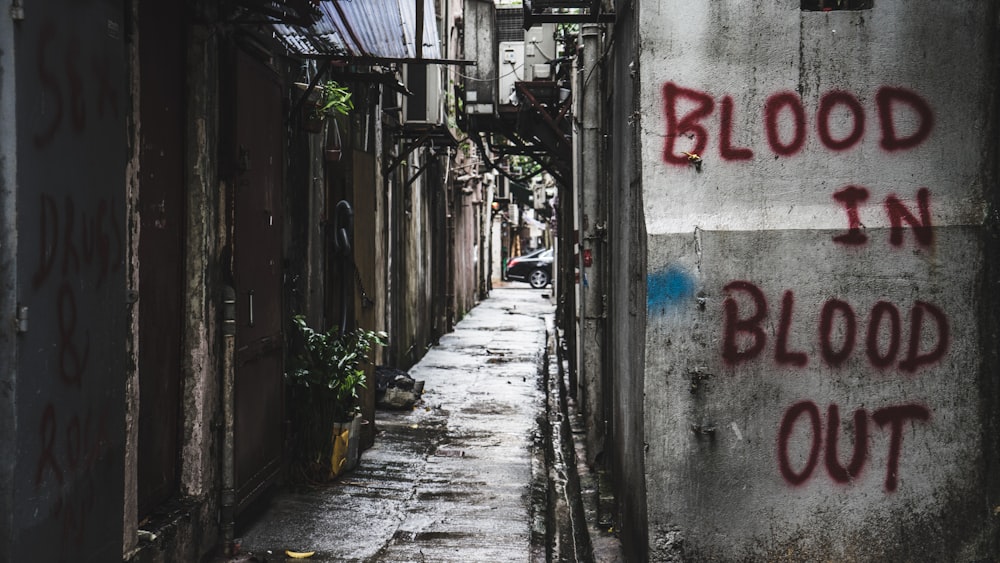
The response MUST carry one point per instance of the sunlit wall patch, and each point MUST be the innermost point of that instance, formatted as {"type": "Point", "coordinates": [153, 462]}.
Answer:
{"type": "Point", "coordinates": [668, 288]}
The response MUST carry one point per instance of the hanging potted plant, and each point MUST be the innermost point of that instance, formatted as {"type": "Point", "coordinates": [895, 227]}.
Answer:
{"type": "Point", "coordinates": [334, 100]}
{"type": "Point", "coordinates": [324, 377]}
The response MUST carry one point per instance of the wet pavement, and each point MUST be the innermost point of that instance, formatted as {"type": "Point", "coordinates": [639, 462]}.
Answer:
{"type": "Point", "coordinates": [464, 476]}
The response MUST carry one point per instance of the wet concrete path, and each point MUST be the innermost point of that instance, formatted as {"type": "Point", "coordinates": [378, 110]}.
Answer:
{"type": "Point", "coordinates": [459, 478]}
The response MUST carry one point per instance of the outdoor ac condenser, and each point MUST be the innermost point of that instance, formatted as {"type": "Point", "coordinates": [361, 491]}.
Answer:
{"type": "Point", "coordinates": [426, 105]}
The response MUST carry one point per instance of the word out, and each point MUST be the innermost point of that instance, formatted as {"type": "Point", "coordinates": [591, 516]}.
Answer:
{"type": "Point", "coordinates": [893, 417]}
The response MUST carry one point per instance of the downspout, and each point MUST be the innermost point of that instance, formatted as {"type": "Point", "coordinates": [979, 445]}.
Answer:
{"type": "Point", "coordinates": [449, 253]}
{"type": "Point", "coordinates": [229, 418]}
{"type": "Point", "coordinates": [591, 373]}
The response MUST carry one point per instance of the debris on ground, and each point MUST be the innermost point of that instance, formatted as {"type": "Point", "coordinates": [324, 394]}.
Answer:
{"type": "Point", "coordinates": [395, 389]}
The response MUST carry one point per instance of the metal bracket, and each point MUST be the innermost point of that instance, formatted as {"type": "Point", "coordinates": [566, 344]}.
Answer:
{"type": "Point", "coordinates": [21, 317]}
{"type": "Point", "coordinates": [600, 232]}
{"type": "Point", "coordinates": [16, 11]}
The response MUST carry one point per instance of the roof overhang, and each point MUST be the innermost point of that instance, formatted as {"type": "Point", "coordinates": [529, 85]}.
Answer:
{"type": "Point", "coordinates": [366, 32]}
{"type": "Point", "coordinates": [564, 11]}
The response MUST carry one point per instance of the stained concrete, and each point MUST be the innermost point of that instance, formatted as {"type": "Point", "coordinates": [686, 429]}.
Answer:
{"type": "Point", "coordinates": [461, 477]}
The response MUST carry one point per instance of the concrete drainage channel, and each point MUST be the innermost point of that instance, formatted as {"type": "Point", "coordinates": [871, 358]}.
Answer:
{"type": "Point", "coordinates": [560, 531]}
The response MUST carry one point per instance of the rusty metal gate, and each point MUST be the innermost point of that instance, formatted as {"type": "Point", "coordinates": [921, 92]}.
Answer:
{"type": "Point", "coordinates": [161, 258]}
{"type": "Point", "coordinates": [257, 272]}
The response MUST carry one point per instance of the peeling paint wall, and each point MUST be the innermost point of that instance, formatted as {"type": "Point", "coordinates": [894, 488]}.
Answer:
{"type": "Point", "coordinates": [815, 188]}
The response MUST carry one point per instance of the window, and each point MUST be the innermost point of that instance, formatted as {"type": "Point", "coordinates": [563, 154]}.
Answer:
{"type": "Point", "coordinates": [830, 5]}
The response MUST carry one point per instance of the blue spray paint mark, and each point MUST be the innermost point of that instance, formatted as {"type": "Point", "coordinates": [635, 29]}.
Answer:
{"type": "Point", "coordinates": [668, 288]}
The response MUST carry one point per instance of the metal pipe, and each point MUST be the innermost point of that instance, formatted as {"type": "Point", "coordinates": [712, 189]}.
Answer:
{"type": "Point", "coordinates": [418, 36]}
{"type": "Point", "coordinates": [228, 418]}
{"type": "Point", "coordinates": [591, 376]}
{"type": "Point", "coordinates": [368, 60]}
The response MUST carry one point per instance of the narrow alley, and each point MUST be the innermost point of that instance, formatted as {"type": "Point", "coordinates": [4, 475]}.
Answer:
{"type": "Point", "coordinates": [464, 476]}
{"type": "Point", "coordinates": [499, 280]}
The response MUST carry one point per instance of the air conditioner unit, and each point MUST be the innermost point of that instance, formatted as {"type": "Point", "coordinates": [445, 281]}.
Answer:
{"type": "Point", "coordinates": [539, 49]}
{"type": "Point", "coordinates": [426, 105]}
{"type": "Point", "coordinates": [511, 69]}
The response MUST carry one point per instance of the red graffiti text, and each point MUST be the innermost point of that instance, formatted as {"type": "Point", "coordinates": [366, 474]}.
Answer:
{"type": "Point", "coordinates": [786, 123]}
{"type": "Point", "coordinates": [892, 418]}
{"type": "Point", "coordinates": [66, 77]}
{"type": "Point", "coordinates": [72, 449]}
{"type": "Point", "coordinates": [851, 198]}
{"type": "Point", "coordinates": [745, 316]}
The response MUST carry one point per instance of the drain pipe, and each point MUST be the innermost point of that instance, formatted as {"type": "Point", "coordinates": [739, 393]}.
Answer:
{"type": "Point", "coordinates": [449, 256]}
{"type": "Point", "coordinates": [228, 415]}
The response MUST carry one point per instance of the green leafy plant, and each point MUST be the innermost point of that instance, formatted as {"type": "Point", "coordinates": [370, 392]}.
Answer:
{"type": "Point", "coordinates": [333, 99]}
{"type": "Point", "coordinates": [330, 366]}
{"type": "Point", "coordinates": [324, 376]}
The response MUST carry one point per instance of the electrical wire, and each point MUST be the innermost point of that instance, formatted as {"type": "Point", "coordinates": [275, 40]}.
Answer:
{"type": "Point", "coordinates": [512, 71]}
{"type": "Point", "coordinates": [534, 44]}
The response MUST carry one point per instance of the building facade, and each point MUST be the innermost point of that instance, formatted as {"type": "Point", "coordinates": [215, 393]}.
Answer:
{"type": "Point", "coordinates": [803, 273]}
{"type": "Point", "coordinates": [167, 207]}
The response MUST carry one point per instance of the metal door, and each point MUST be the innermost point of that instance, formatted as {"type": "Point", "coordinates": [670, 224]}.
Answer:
{"type": "Point", "coordinates": [67, 494]}
{"type": "Point", "coordinates": [257, 269]}
{"type": "Point", "coordinates": [161, 223]}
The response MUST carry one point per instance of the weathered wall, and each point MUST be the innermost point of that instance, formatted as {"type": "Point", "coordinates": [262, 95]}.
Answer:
{"type": "Point", "coordinates": [185, 527]}
{"type": "Point", "coordinates": [465, 265]}
{"type": "Point", "coordinates": [624, 439]}
{"type": "Point", "coordinates": [8, 282]}
{"type": "Point", "coordinates": [412, 294]}
{"type": "Point", "coordinates": [816, 382]}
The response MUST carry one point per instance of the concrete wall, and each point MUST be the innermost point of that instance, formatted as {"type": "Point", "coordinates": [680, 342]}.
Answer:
{"type": "Point", "coordinates": [8, 282]}
{"type": "Point", "coordinates": [626, 276]}
{"type": "Point", "coordinates": [818, 379]}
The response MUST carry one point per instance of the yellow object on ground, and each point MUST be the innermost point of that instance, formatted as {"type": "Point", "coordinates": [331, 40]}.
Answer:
{"type": "Point", "coordinates": [300, 554]}
{"type": "Point", "coordinates": [339, 457]}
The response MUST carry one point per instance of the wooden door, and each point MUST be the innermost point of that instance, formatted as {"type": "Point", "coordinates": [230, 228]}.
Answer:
{"type": "Point", "coordinates": [257, 269]}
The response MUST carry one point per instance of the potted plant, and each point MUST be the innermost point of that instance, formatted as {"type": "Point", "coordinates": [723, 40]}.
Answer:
{"type": "Point", "coordinates": [334, 100]}
{"type": "Point", "coordinates": [324, 376]}
{"type": "Point", "coordinates": [327, 99]}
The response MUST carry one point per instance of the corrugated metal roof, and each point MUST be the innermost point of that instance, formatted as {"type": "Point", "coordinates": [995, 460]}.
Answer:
{"type": "Point", "coordinates": [382, 29]}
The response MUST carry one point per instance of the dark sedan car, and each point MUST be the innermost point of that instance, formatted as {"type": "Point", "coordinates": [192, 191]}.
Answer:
{"type": "Point", "coordinates": [534, 267]}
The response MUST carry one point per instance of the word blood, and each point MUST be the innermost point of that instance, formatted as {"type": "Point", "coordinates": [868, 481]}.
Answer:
{"type": "Point", "coordinates": [745, 339]}
{"type": "Point", "coordinates": [785, 122]}
{"type": "Point", "coordinates": [893, 418]}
